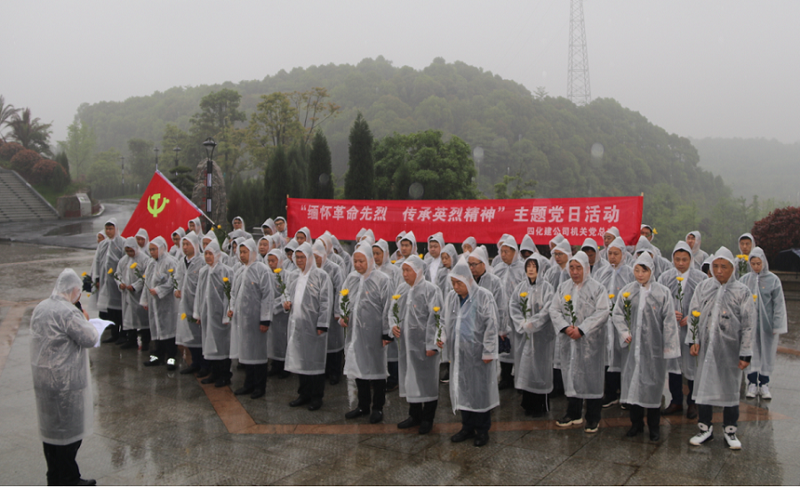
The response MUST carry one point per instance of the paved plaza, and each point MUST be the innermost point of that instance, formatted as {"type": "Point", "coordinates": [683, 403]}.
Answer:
{"type": "Point", "coordinates": [159, 427]}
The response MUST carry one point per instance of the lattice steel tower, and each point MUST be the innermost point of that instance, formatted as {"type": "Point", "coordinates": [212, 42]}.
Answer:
{"type": "Point", "coordinates": [578, 89]}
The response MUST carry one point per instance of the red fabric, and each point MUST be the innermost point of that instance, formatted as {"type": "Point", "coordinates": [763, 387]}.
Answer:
{"type": "Point", "coordinates": [486, 220]}
{"type": "Point", "coordinates": [176, 213]}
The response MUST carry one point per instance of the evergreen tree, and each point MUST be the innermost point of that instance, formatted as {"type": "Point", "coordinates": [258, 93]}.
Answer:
{"type": "Point", "coordinates": [360, 177]}
{"type": "Point", "coordinates": [298, 166]}
{"type": "Point", "coordinates": [320, 169]}
{"type": "Point", "coordinates": [61, 158]}
{"type": "Point", "coordinates": [277, 182]}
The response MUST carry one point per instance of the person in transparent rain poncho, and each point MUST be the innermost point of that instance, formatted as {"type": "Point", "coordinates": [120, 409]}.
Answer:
{"type": "Point", "coordinates": [746, 244]}
{"type": "Point", "coordinates": [175, 249]}
{"type": "Point", "coordinates": [498, 258]}
{"type": "Point", "coordinates": [331, 256]}
{"type": "Point", "coordinates": [613, 277]}
{"type": "Point", "coordinates": [211, 312]}
{"type": "Point", "coordinates": [380, 253]}
{"type": "Point", "coordinates": [661, 264]}
{"type": "Point", "coordinates": [303, 235]}
{"type": "Point", "coordinates": [134, 317]}
{"type": "Point", "coordinates": [90, 278]}
{"type": "Point", "coordinates": [722, 345]}
{"type": "Point", "coordinates": [264, 246]}
{"type": "Point", "coordinates": [109, 297]}
{"type": "Point", "coordinates": [414, 326]}
{"type": "Point", "coordinates": [366, 297]}
{"type": "Point", "coordinates": [682, 292]}
{"type": "Point", "coordinates": [194, 225]}
{"type": "Point", "coordinates": [434, 262]}
{"type": "Point", "coordinates": [558, 272]}
{"type": "Point", "coordinates": [276, 336]}
{"type": "Point", "coordinates": [252, 300]}
{"type": "Point", "coordinates": [470, 333]}
{"type": "Point", "coordinates": [407, 248]}
{"type": "Point", "coordinates": [268, 228]}
{"type": "Point", "coordinates": [511, 272]}
{"type": "Point", "coordinates": [338, 251]}
{"type": "Point", "coordinates": [238, 231]}
{"type": "Point", "coordinates": [583, 349]}
{"type": "Point", "coordinates": [467, 246]}
{"type": "Point", "coordinates": [60, 338]}
{"type": "Point", "coordinates": [553, 244]}
{"type": "Point", "coordinates": [288, 255]}
{"type": "Point", "coordinates": [309, 305]}
{"type": "Point", "coordinates": [770, 322]}
{"type": "Point", "coordinates": [649, 340]}
{"type": "Point", "coordinates": [333, 363]}
{"type": "Point", "coordinates": [188, 331]}
{"type": "Point", "coordinates": [161, 304]}
{"type": "Point", "coordinates": [533, 358]}
{"type": "Point", "coordinates": [448, 256]}
{"type": "Point", "coordinates": [280, 226]}
{"type": "Point", "coordinates": [693, 240]}
{"type": "Point", "coordinates": [527, 247]}
{"type": "Point", "coordinates": [590, 248]}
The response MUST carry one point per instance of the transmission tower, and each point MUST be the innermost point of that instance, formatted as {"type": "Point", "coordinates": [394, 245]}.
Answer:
{"type": "Point", "coordinates": [578, 89]}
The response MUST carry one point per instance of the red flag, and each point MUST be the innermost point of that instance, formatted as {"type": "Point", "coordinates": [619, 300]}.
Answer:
{"type": "Point", "coordinates": [162, 209]}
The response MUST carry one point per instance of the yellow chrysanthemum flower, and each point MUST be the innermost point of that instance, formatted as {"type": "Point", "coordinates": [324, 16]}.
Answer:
{"type": "Point", "coordinates": [568, 298]}
{"type": "Point", "coordinates": [522, 295]}
{"type": "Point", "coordinates": [611, 296]}
{"type": "Point", "coordinates": [393, 261]}
{"type": "Point", "coordinates": [396, 297]}
{"type": "Point", "coordinates": [626, 295]}
{"type": "Point", "coordinates": [133, 266]}
{"type": "Point", "coordinates": [696, 314]}
{"type": "Point", "coordinates": [278, 270]}
{"type": "Point", "coordinates": [755, 297]}
{"type": "Point", "coordinates": [219, 226]}
{"type": "Point", "coordinates": [746, 258]}
{"type": "Point", "coordinates": [436, 309]}
{"type": "Point", "coordinates": [111, 271]}
{"type": "Point", "coordinates": [88, 295]}
{"type": "Point", "coordinates": [171, 271]}
{"type": "Point", "coordinates": [183, 316]}
{"type": "Point", "coordinates": [421, 256]}
{"type": "Point", "coordinates": [344, 292]}
{"type": "Point", "coordinates": [679, 278]}
{"type": "Point", "coordinates": [83, 275]}
{"type": "Point", "coordinates": [225, 279]}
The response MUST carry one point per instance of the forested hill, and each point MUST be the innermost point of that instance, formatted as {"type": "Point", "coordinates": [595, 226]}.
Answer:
{"type": "Point", "coordinates": [753, 167]}
{"type": "Point", "coordinates": [601, 149]}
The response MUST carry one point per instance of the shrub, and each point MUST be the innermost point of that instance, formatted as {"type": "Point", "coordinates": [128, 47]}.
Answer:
{"type": "Point", "coordinates": [23, 162]}
{"type": "Point", "coordinates": [780, 230]}
{"type": "Point", "coordinates": [9, 150]}
{"type": "Point", "coordinates": [49, 173]}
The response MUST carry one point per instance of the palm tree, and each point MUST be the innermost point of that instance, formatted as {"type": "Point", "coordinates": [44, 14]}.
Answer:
{"type": "Point", "coordinates": [31, 133]}
{"type": "Point", "coordinates": [6, 112]}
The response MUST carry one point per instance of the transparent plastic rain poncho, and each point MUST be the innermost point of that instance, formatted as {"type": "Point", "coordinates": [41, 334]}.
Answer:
{"type": "Point", "coordinates": [162, 309]}
{"type": "Point", "coordinates": [468, 241]}
{"type": "Point", "coordinates": [510, 275]}
{"type": "Point", "coordinates": [60, 339]}
{"type": "Point", "coordinates": [109, 252]}
{"type": "Point", "coordinates": [685, 364]}
{"type": "Point", "coordinates": [307, 233]}
{"type": "Point", "coordinates": [143, 234]}
{"type": "Point", "coordinates": [386, 266]}
{"type": "Point", "coordinates": [527, 244]}
{"type": "Point", "coordinates": [347, 259]}
{"type": "Point", "coordinates": [360, 234]}
{"type": "Point", "coordinates": [698, 254]}
{"type": "Point", "coordinates": [555, 275]}
{"type": "Point", "coordinates": [613, 279]}
{"type": "Point", "coordinates": [335, 330]}
{"type": "Point", "coordinates": [419, 374]}
{"type": "Point", "coordinates": [771, 315]}
{"type": "Point", "coordinates": [470, 337]}
{"type": "Point", "coordinates": [396, 255]}
{"type": "Point", "coordinates": [198, 226]}
{"type": "Point", "coordinates": [211, 236]}
{"type": "Point", "coordinates": [176, 251]}
{"type": "Point", "coordinates": [599, 263]}
{"type": "Point", "coordinates": [553, 244]}
{"type": "Point", "coordinates": [211, 306]}
{"type": "Point", "coordinates": [533, 358]}
{"type": "Point", "coordinates": [311, 296]}
{"type": "Point", "coordinates": [188, 332]}
{"type": "Point", "coordinates": [93, 274]}
{"type": "Point", "coordinates": [497, 259]}
{"type": "Point", "coordinates": [270, 224]}
{"type": "Point", "coordinates": [494, 285]}
{"type": "Point", "coordinates": [252, 299]}
{"type": "Point", "coordinates": [283, 233]}
{"type": "Point", "coordinates": [603, 254]}
{"type": "Point", "coordinates": [435, 265]}
{"type": "Point", "coordinates": [737, 259]}
{"type": "Point", "coordinates": [582, 360]}
{"type": "Point", "coordinates": [288, 263]}
{"type": "Point", "coordinates": [409, 237]}
{"type": "Point", "coordinates": [661, 264]}
{"type": "Point", "coordinates": [276, 336]}
{"type": "Point", "coordinates": [134, 317]}
{"type": "Point", "coordinates": [725, 332]}
{"type": "Point", "coordinates": [368, 235]}
{"type": "Point", "coordinates": [443, 276]}
{"type": "Point", "coordinates": [369, 296]}
{"type": "Point", "coordinates": [655, 340]}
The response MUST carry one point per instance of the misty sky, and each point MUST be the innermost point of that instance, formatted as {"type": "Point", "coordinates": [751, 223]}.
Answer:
{"type": "Point", "coordinates": [697, 68]}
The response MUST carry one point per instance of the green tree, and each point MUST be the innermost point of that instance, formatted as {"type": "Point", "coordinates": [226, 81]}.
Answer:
{"type": "Point", "coordinates": [277, 182]}
{"type": "Point", "coordinates": [79, 146]}
{"type": "Point", "coordinates": [320, 169]}
{"type": "Point", "coordinates": [7, 111]}
{"type": "Point", "coordinates": [105, 170]}
{"type": "Point", "coordinates": [30, 132]}
{"type": "Point", "coordinates": [219, 112]}
{"type": "Point", "coordinates": [522, 188]}
{"type": "Point", "coordinates": [273, 123]}
{"type": "Point", "coordinates": [62, 159]}
{"type": "Point", "coordinates": [298, 167]}
{"type": "Point", "coordinates": [313, 109]}
{"type": "Point", "coordinates": [141, 161]}
{"type": "Point", "coordinates": [360, 177]}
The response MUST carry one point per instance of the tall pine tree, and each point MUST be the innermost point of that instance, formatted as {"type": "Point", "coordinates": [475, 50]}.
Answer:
{"type": "Point", "coordinates": [277, 183]}
{"type": "Point", "coordinates": [320, 169]}
{"type": "Point", "coordinates": [360, 177]}
{"type": "Point", "coordinates": [298, 166]}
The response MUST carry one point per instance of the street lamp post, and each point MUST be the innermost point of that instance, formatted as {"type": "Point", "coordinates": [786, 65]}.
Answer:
{"type": "Point", "coordinates": [209, 145]}
{"type": "Point", "coordinates": [156, 151]}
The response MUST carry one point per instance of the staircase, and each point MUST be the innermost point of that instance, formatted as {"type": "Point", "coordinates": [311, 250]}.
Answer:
{"type": "Point", "coordinates": [20, 202]}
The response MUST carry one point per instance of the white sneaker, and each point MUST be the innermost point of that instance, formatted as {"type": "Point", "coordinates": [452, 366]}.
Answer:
{"type": "Point", "coordinates": [730, 438]}
{"type": "Point", "coordinates": [764, 392]}
{"type": "Point", "coordinates": [706, 434]}
{"type": "Point", "coordinates": [752, 390]}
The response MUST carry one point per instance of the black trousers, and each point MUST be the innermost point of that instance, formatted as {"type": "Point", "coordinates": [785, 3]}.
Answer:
{"type": "Point", "coordinates": [558, 384]}
{"type": "Point", "coordinates": [730, 415]}
{"type": "Point", "coordinates": [62, 469]}
{"type": "Point", "coordinates": [277, 365]}
{"type": "Point", "coordinates": [477, 422]}
{"type": "Point", "coordinates": [424, 411]}
{"type": "Point", "coordinates": [394, 375]}
{"type": "Point", "coordinates": [612, 386]}
{"type": "Point", "coordinates": [255, 376]}
{"type": "Point", "coordinates": [676, 389]}
{"type": "Point", "coordinates": [311, 386]}
{"type": "Point", "coordinates": [594, 408]}
{"type": "Point", "coordinates": [114, 315]}
{"type": "Point", "coordinates": [371, 391]}
{"type": "Point", "coordinates": [333, 365]}
{"type": "Point", "coordinates": [145, 334]}
{"type": "Point", "coordinates": [197, 357]}
{"type": "Point", "coordinates": [165, 349]}
{"type": "Point", "coordinates": [535, 403]}
{"type": "Point", "coordinates": [653, 416]}
{"type": "Point", "coordinates": [506, 370]}
{"type": "Point", "coordinates": [220, 369]}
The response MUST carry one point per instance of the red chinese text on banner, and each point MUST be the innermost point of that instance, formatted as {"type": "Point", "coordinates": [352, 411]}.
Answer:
{"type": "Point", "coordinates": [162, 209]}
{"type": "Point", "coordinates": [486, 220]}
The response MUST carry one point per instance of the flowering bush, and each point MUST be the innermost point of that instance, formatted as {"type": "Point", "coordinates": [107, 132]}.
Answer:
{"type": "Point", "coordinates": [780, 230]}
{"type": "Point", "coordinates": [23, 162]}
{"type": "Point", "coordinates": [9, 150]}
{"type": "Point", "coordinates": [50, 173]}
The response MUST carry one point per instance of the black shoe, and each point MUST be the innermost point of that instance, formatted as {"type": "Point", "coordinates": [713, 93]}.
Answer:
{"type": "Point", "coordinates": [87, 482]}
{"type": "Point", "coordinates": [220, 382]}
{"type": "Point", "coordinates": [257, 393]}
{"type": "Point", "coordinates": [190, 370]}
{"type": "Point", "coordinates": [505, 384]}
{"type": "Point", "coordinates": [153, 362]}
{"type": "Point", "coordinates": [591, 427]}
{"type": "Point", "coordinates": [408, 423]}
{"type": "Point", "coordinates": [203, 372]}
{"type": "Point", "coordinates": [635, 430]}
{"type": "Point", "coordinates": [462, 436]}
{"type": "Point", "coordinates": [209, 380]}
{"type": "Point", "coordinates": [355, 413]}
{"type": "Point", "coordinates": [171, 364]}
{"type": "Point", "coordinates": [284, 374]}
{"type": "Point", "coordinates": [300, 401]}
{"type": "Point", "coordinates": [243, 390]}
{"type": "Point", "coordinates": [425, 427]}
{"type": "Point", "coordinates": [334, 380]}
{"type": "Point", "coordinates": [655, 434]}
{"type": "Point", "coordinates": [376, 416]}
{"type": "Point", "coordinates": [481, 439]}
{"type": "Point", "coordinates": [315, 405]}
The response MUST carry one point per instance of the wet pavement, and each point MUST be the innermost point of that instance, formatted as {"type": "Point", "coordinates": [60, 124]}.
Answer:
{"type": "Point", "coordinates": [155, 427]}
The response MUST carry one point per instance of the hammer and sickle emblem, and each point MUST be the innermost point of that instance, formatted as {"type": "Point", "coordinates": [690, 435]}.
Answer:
{"type": "Point", "coordinates": [155, 209]}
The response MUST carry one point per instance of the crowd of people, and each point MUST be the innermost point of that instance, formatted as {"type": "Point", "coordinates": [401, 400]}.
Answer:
{"type": "Point", "coordinates": [604, 326]}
